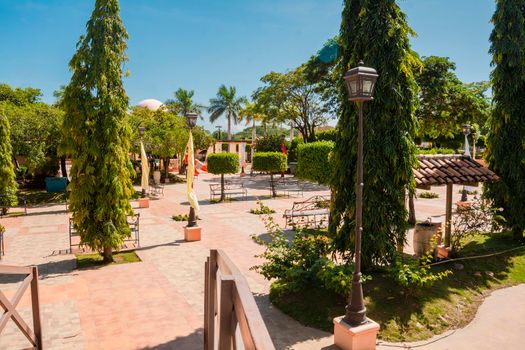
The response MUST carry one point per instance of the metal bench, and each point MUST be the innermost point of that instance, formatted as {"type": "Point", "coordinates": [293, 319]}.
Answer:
{"type": "Point", "coordinates": [287, 187]}
{"type": "Point", "coordinates": [312, 212]}
{"type": "Point", "coordinates": [4, 197]}
{"type": "Point", "coordinates": [133, 223]}
{"type": "Point", "coordinates": [156, 189]}
{"type": "Point", "coordinates": [230, 190]}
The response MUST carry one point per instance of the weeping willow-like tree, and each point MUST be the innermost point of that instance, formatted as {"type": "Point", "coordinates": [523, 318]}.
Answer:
{"type": "Point", "coordinates": [97, 132]}
{"type": "Point", "coordinates": [505, 146]}
{"type": "Point", "coordinates": [376, 32]}
{"type": "Point", "coordinates": [7, 170]}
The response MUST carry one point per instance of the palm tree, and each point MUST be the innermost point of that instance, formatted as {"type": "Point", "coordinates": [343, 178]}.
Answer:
{"type": "Point", "coordinates": [183, 102]}
{"type": "Point", "coordinates": [251, 113]}
{"type": "Point", "coordinates": [226, 103]}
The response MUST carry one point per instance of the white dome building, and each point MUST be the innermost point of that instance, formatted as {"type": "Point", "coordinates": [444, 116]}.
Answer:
{"type": "Point", "coordinates": [150, 104]}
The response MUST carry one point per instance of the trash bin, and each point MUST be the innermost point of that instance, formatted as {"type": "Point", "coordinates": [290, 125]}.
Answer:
{"type": "Point", "coordinates": [423, 233]}
{"type": "Point", "coordinates": [56, 184]}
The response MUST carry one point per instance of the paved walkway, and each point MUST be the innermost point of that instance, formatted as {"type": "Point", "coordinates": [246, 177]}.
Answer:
{"type": "Point", "coordinates": [158, 303]}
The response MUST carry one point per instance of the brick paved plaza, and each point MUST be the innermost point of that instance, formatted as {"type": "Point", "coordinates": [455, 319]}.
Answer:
{"type": "Point", "coordinates": [157, 303]}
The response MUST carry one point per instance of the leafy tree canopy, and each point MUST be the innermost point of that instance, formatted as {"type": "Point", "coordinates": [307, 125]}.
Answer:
{"type": "Point", "coordinates": [8, 184]}
{"type": "Point", "coordinates": [226, 103]}
{"type": "Point", "coordinates": [446, 102]}
{"type": "Point", "coordinates": [505, 146]}
{"type": "Point", "coordinates": [291, 98]}
{"type": "Point", "coordinates": [183, 103]}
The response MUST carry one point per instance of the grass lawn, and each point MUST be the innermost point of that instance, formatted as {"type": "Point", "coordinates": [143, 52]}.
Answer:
{"type": "Point", "coordinates": [40, 197]}
{"type": "Point", "coordinates": [449, 304]}
{"type": "Point", "coordinates": [95, 259]}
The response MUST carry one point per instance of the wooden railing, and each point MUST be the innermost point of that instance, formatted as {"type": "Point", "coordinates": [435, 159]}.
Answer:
{"type": "Point", "coordinates": [231, 317]}
{"type": "Point", "coordinates": [9, 306]}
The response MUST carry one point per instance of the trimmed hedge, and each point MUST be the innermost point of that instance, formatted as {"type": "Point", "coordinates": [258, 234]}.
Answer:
{"type": "Point", "coordinates": [313, 162]}
{"type": "Point", "coordinates": [272, 162]}
{"type": "Point", "coordinates": [223, 163]}
{"type": "Point", "coordinates": [327, 135]}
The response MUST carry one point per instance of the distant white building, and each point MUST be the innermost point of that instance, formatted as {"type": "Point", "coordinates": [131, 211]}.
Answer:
{"type": "Point", "coordinates": [151, 104]}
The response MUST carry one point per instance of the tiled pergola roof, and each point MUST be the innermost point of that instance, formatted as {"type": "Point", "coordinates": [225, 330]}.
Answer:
{"type": "Point", "coordinates": [439, 170]}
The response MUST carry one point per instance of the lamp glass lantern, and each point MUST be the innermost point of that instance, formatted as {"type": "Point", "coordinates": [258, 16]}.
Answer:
{"type": "Point", "coordinates": [191, 119]}
{"type": "Point", "coordinates": [360, 83]}
{"type": "Point", "coordinates": [141, 131]}
{"type": "Point", "coordinates": [467, 128]}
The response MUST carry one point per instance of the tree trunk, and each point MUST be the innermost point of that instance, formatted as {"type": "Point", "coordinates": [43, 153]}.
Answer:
{"type": "Point", "coordinates": [63, 166]}
{"type": "Point", "coordinates": [222, 187]}
{"type": "Point", "coordinates": [411, 210]}
{"type": "Point", "coordinates": [229, 128]}
{"type": "Point", "coordinates": [274, 193]}
{"type": "Point", "coordinates": [517, 233]}
{"type": "Point", "coordinates": [108, 257]}
{"type": "Point", "coordinates": [166, 168]}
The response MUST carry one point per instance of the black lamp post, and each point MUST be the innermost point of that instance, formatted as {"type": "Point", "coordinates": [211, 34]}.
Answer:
{"type": "Point", "coordinates": [141, 132]}
{"type": "Point", "coordinates": [360, 82]}
{"type": "Point", "coordinates": [467, 128]}
{"type": "Point", "coordinates": [191, 120]}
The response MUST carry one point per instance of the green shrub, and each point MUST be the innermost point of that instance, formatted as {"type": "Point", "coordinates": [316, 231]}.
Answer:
{"type": "Point", "coordinates": [292, 151]}
{"type": "Point", "coordinates": [271, 162]}
{"type": "Point", "coordinates": [436, 151]}
{"type": "Point", "coordinates": [428, 195]}
{"type": "Point", "coordinates": [293, 264]}
{"type": "Point", "coordinates": [326, 135]}
{"type": "Point", "coordinates": [314, 162]}
{"type": "Point", "coordinates": [223, 163]}
{"type": "Point", "coordinates": [263, 209]}
{"type": "Point", "coordinates": [415, 275]}
{"type": "Point", "coordinates": [270, 144]}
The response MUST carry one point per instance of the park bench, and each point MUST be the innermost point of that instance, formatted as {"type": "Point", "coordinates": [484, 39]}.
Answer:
{"type": "Point", "coordinates": [4, 208]}
{"type": "Point", "coordinates": [287, 187]}
{"type": "Point", "coordinates": [230, 190]}
{"type": "Point", "coordinates": [2, 253]}
{"type": "Point", "coordinates": [133, 223]}
{"type": "Point", "coordinates": [156, 189]}
{"type": "Point", "coordinates": [312, 212]}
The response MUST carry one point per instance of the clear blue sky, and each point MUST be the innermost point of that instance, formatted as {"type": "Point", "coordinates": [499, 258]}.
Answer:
{"type": "Point", "coordinates": [201, 44]}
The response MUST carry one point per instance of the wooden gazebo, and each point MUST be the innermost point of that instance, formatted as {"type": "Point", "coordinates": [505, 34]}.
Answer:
{"type": "Point", "coordinates": [449, 170]}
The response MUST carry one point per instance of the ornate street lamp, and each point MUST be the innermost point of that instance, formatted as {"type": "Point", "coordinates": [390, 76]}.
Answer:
{"type": "Point", "coordinates": [466, 128]}
{"type": "Point", "coordinates": [360, 82]}
{"type": "Point", "coordinates": [191, 120]}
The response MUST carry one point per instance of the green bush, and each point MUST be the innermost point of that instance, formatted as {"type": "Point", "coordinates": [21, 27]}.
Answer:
{"type": "Point", "coordinates": [292, 151]}
{"type": "Point", "coordinates": [436, 151]}
{"type": "Point", "coordinates": [223, 163]}
{"type": "Point", "coordinates": [313, 162]}
{"type": "Point", "coordinates": [428, 195]}
{"type": "Point", "coordinates": [270, 144]}
{"type": "Point", "coordinates": [327, 135]}
{"type": "Point", "coordinates": [271, 162]}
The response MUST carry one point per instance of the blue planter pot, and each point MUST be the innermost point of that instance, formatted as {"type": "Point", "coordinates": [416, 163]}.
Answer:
{"type": "Point", "coordinates": [56, 184]}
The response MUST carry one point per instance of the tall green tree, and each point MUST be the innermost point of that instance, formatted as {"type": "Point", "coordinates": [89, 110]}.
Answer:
{"type": "Point", "coordinates": [376, 31]}
{"type": "Point", "coordinates": [183, 102]}
{"type": "Point", "coordinates": [446, 102]}
{"type": "Point", "coordinates": [8, 185]}
{"type": "Point", "coordinates": [97, 132]}
{"type": "Point", "coordinates": [228, 103]}
{"type": "Point", "coordinates": [505, 146]}
{"type": "Point", "coordinates": [291, 98]}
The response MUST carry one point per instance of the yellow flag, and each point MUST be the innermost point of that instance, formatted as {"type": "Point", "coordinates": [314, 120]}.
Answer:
{"type": "Point", "coordinates": [190, 174]}
{"type": "Point", "coordinates": [145, 168]}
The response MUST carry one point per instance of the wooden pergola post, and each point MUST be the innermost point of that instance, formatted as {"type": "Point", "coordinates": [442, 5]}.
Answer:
{"type": "Point", "coordinates": [448, 214]}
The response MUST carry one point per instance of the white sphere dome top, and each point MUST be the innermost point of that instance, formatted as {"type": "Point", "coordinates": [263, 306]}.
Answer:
{"type": "Point", "coordinates": [150, 104]}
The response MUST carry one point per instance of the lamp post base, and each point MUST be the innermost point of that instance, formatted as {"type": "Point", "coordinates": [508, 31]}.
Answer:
{"type": "Point", "coordinates": [144, 202]}
{"type": "Point", "coordinates": [192, 234]}
{"type": "Point", "coordinates": [347, 337]}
